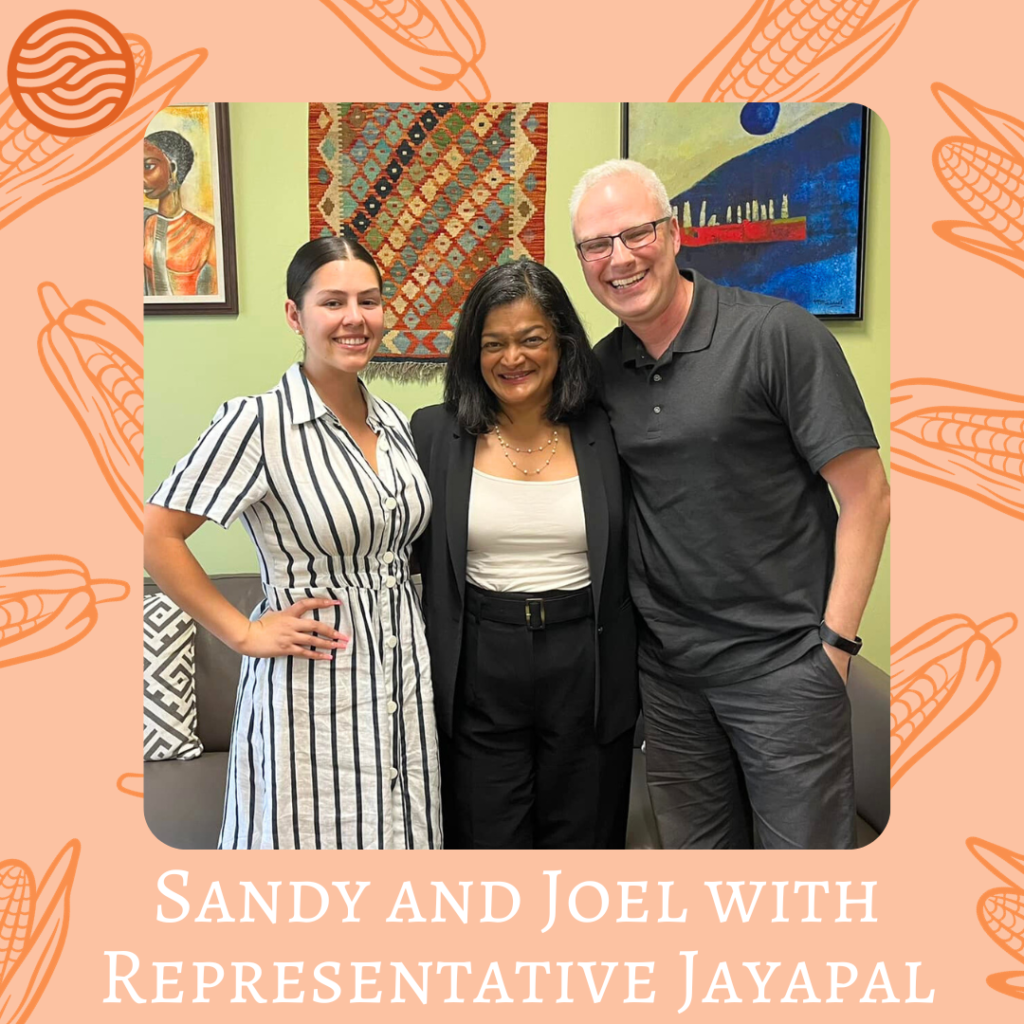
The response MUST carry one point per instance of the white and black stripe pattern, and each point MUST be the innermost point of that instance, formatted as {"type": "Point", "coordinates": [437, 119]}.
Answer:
{"type": "Point", "coordinates": [169, 720]}
{"type": "Point", "coordinates": [338, 754]}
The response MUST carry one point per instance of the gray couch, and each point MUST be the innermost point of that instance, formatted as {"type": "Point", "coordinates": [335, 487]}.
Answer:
{"type": "Point", "coordinates": [184, 799]}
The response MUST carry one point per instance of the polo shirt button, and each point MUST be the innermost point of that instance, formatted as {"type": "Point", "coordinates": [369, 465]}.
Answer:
{"type": "Point", "coordinates": [382, 445]}
{"type": "Point", "coordinates": [600, 629]}
{"type": "Point", "coordinates": [657, 408]}
{"type": "Point", "coordinates": [392, 642]}
{"type": "Point", "coordinates": [394, 773]}
{"type": "Point", "coordinates": [392, 707]}
{"type": "Point", "coordinates": [389, 581]}
{"type": "Point", "coordinates": [389, 557]}
{"type": "Point", "coordinates": [390, 504]}
{"type": "Point", "coordinates": [657, 376]}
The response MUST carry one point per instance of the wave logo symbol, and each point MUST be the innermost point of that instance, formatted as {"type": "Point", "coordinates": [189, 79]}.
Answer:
{"type": "Point", "coordinates": [71, 73]}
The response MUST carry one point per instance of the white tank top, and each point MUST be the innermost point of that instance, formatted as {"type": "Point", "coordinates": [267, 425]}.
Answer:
{"type": "Point", "coordinates": [526, 535]}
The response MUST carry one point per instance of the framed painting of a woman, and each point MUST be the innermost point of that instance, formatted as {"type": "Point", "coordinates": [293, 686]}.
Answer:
{"type": "Point", "coordinates": [188, 235]}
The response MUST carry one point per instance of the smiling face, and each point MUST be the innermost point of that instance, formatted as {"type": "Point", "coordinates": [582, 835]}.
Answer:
{"type": "Point", "coordinates": [519, 355]}
{"type": "Point", "coordinates": [156, 171]}
{"type": "Point", "coordinates": [637, 285]}
{"type": "Point", "coordinates": [341, 317]}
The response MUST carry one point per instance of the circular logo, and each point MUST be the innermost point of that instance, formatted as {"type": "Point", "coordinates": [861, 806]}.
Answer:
{"type": "Point", "coordinates": [71, 73]}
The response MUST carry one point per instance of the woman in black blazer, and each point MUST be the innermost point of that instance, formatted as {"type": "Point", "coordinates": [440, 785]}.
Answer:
{"type": "Point", "coordinates": [529, 623]}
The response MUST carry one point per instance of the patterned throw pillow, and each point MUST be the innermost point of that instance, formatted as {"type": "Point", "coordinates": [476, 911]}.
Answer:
{"type": "Point", "coordinates": [169, 682]}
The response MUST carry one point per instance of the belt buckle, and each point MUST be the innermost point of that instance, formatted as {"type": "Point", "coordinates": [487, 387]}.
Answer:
{"type": "Point", "coordinates": [536, 617]}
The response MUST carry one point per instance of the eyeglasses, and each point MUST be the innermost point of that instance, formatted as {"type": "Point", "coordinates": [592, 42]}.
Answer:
{"type": "Point", "coordinates": [601, 248]}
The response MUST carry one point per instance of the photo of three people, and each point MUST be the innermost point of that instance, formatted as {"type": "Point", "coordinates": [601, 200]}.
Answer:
{"type": "Point", "coordinates": [682, 514]}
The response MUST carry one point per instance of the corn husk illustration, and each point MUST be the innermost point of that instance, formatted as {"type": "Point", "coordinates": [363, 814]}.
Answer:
{"type": "Point", "coordinates": [142, 53]}
{"type": "Point", "coordinates": [130, 783]}
{"type": "Point", "coordinates": [1001, 911]}
{"type": "Point", "coordinates": [983, 170]}
{"type": "Point", "coordinates": [941, 675]}
{"type": "Point", "coordinates": [1006, 865]}
{"type": "Point", "coordinates": [1008, 983]}
{"type": "Point", "coordinates": [965, 438]}
{"type": "Point", "coordinates": [35, 164]}
{"type": "Point", "coordinates": [48, 603]}
{"type": "Point", "coordinates": [93, 357]}
{"type": "Point", "coordinates": [787, 50]}
{"type": "Point", "coordinates": [16, 909]}
{"type": "Point", "coordinates": [33, 926]}
{"type": "Point", "coordinates": [430, 43]}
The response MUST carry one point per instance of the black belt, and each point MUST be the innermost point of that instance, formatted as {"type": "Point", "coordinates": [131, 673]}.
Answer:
{"type": "Point", "coordinates": [534, 611]}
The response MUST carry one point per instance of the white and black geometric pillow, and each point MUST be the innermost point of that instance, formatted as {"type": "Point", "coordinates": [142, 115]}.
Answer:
{"type": "Point", "coordinates": [169, 682]}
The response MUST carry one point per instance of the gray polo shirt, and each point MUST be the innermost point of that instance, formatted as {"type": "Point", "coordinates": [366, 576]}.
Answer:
{"type": "Point", "coordinates": [732, 533]}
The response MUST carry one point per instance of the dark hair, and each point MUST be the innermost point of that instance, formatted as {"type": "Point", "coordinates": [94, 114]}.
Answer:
{"type": "Point", "coordinates": [177, 149]}
{"type": "Point", "coordinates": [313, 255]}
{"type": "Point", "coordinates": [467, 396]}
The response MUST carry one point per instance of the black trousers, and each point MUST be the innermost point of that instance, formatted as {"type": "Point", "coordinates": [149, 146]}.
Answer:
{"type": "Point", "coordinates": [773, 755]}
{"type": "Point", "coordinates": [523, 768]}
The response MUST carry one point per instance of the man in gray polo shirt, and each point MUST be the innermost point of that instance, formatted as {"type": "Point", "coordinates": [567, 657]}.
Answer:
{"type": "Point", "coordinates": [735, 413]}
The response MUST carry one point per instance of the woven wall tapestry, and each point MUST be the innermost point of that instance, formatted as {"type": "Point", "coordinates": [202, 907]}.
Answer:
{"type": "Point", "coordinates": [437, 192]}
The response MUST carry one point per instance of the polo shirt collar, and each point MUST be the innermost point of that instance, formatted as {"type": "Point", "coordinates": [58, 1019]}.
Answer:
{"type": "Point", "coordinates": [303, 404]}
{"type": "Point", "coordinates": [698, 328]}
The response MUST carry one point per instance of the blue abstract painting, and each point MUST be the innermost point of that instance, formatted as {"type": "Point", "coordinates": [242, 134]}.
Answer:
{"type": "Point", "coordinates": [770, 197]}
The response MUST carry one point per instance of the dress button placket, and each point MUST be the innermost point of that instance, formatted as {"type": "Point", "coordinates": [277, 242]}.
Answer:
{"type": "Point", "coordinates": [389, 582]}
{"type": "Point", "coordinates": [385, 470]}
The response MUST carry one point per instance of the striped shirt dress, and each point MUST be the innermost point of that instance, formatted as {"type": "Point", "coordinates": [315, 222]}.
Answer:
{"type": "Point", "coordinates": [338, 754]}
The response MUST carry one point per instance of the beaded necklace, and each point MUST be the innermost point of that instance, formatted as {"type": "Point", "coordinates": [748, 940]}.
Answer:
{"type": "Point", "coordinates": [505, 446]}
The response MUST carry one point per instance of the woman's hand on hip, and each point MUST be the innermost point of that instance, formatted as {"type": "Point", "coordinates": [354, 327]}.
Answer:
{"type": "Point", "coordinates": [287, 632]}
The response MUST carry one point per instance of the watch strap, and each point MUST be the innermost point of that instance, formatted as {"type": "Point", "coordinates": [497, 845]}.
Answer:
{"type": "Point", "coordinates": [841, 643]}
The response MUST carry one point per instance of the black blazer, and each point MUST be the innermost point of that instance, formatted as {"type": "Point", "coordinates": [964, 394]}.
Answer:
{"type": "Point", "coordinates": [446, 455]}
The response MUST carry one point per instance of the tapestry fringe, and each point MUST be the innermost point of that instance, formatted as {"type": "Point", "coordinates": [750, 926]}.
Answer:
{"type": "Point", "coordinates": [405, 373]}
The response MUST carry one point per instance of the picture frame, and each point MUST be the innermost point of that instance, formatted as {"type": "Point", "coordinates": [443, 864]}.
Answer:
{"type": "Point", "coordinates": [189, 258]}
{"type": "Point", "coordinates": [727, 165]}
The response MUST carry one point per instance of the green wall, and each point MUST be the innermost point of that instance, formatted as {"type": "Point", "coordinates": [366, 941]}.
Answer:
{"type": "Point", "coordinates": [193, 364]}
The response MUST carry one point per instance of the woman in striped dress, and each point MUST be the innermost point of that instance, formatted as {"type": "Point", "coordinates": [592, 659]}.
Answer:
{"type": "Point", "coordinates": [333, 743]}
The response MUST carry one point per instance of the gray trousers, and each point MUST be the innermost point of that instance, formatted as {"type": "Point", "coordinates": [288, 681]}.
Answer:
{"type": "Point", "coordinates": [772, 756]}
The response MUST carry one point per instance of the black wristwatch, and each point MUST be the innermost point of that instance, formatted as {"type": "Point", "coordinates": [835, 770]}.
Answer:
{"type": "Point", "coordinates": [833, 639]}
